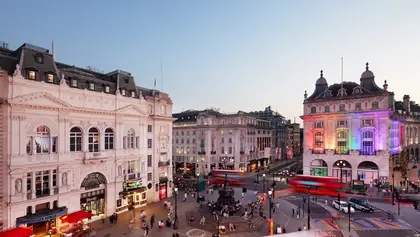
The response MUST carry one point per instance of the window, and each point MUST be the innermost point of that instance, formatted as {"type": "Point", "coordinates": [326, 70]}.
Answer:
{"type": "Point", "coordinates": [109, 139]}
{"type": "Point", "coordinates": [106, 89]}
{"type": "Point", "coordinates": [31, 74]}
{"type": "Point", "coordinates": [375, 105]}
{"type": "Point", "coordinates": [313, 110]}
{"type": "Point", "coordinates": [149, 176]}
{"type": "Point", "coordinates": [123, 92]}
{"type": "Point", "coordinates": [327, 109]}
{"type": "Point", "coordinates": [149, 143]}
{"type": "Point", "coordinates": [358, 106]}
{"type": "Point", "coordinates": [342, 143]}
{"type": "Point", "coordinates": [42, 140]}
{"type": "Point", "coordinates": [91, 86]}
{"type": "Point", "coordinates": [342, 107]}
{"type": "Point", "coordinates": [74, 83]}
{"type": "Point", "coordinates": [150, 109]}
{"type": "Point", "coordinates": [29, 181]}
{"type": "Point", "coordinates": [131, 167]}
{"type": "Point", "coordinates": [93, 140]}
{"type": "Point", "coordinates": [367, 143]}
{"type": "Point", "coordinates": [50, 78]}
{"type": "Point", "coordinates": [42, 183]}
{"type": "Point", "coordinates": [149, 160]}
{"type": "Point", "coordinates": [367, 122]}
{"type": "Point", "coordinates": [221, 132]}
{"type": "Point", "coordinates": [230, 140]}
{"type": "Point", "coordinates": [341, 123]}
{"type": "Point", "coordinates": [230, 150]}
{"type": "Point", "coordinates": [149, 128]}
{"type": "Point", "coordinates": [75, 139]}
{"type": "Point", "coordinates": [133, 94]}
{"type": "Point", "coordinates": [319, 142]}
{"type": "Point", "coordinates": [129, 140]}
{"type": "Point", "coordinates": [223, 150]}
{"type": "Point", "coordinates": [163, 112]}
{"type": "Point", "coordinates": [223, 140]}
{"type": "Point", "coordinates": [319, 125]}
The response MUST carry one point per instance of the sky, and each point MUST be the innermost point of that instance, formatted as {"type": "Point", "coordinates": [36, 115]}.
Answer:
{"type": "Point", "coordinates": [229, 54]}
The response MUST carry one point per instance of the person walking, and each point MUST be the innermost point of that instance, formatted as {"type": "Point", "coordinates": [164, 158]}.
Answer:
{"type": "Point", "coordinates": [203, 220]}
{"type": "Point", "coordinates": [152, 221]}
{"type": "Point", "coordinates": [293, 212]}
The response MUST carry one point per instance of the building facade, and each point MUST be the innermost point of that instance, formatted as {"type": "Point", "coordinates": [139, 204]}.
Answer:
{"type": "Point", "coordinates": [278, 131]}
{"type": "Point", "coordinates": [348, 132]}
{"type": "Point", "coordinates": [207, 139]}
{"type": "Point", "coordinates": [293, 142]}
{"type": "Point", "coordinates": [77, 139]}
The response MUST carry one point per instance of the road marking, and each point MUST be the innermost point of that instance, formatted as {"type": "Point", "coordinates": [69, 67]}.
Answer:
{"type": "Point", "coordinates": [196, 233]}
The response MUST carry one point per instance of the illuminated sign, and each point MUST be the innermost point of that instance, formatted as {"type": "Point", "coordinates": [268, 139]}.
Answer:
{"type": "Point", "coordinates": [132, 185]}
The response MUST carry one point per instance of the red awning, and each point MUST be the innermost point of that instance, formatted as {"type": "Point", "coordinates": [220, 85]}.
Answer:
{"type": "Point", "coordinates": [19, 231]}
{"type": "Point", "coordinates": [76, 216]}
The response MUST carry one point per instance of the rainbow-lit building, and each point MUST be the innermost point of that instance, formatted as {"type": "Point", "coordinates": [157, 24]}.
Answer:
{"type": "Point", "coordinates": [349, 126]}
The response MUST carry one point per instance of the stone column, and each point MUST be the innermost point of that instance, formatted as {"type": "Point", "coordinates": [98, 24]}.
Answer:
{"type": "Point", "coordinates": [33, 186]}
{"type": "Point", "coordinates": [51, 182]}
{"type": "Point", "coordinates": [102, 140]}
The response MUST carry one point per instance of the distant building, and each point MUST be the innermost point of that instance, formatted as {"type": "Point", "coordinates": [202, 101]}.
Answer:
{"type": "Point", "coordinates": [75, 138]}
{"type": "Point", "coordinates": [278, 131]}
{"type": "Point", "coordinates": [347, 127]}
{"type": "Point", "coordinates": [207, 139]}
{"type": "Point", "coordinates": [293, 141]}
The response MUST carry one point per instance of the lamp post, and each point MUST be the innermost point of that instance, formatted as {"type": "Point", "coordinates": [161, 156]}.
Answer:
{"type": "Point", "coordinates": [176, 208]}
{"type": "Point", "coordinates": [393, 188]}
{"type": "Point", "coordinates": [198, 190]}
{"type": "Point", "coordinates": [274, 185]}
{"type": "Point", "coordinates": [309, 209]}
{"type": "Point", "coordinates": [270, 220]}
{"type": "Point", "coordinates": [263, 183]}
{"type": "Point", "coordinates": [340, 165]}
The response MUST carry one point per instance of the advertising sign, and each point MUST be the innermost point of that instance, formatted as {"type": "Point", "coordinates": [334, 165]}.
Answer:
{"type": "Point", "coordinates": [131, 185]}
{"type": "Point", "coordinates": [289, 153]}
{"type": "Point", "coordinates": [162, 192]}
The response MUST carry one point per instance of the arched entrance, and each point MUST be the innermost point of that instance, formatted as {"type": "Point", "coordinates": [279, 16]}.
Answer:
{"type": "Point", "coordinates": [342, 169]}
{"type": "Point", "coordinates": [319, 167]}
{"type": "Point", "coordinates": [368, 171]}
{"type": "Point", "coordinates": [93, 198]}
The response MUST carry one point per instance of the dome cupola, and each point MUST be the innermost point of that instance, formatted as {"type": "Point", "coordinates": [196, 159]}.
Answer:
{"type": "Point", "coordinates": [367, 74]}
{"type": "Point", "coordinates": [321, 80]}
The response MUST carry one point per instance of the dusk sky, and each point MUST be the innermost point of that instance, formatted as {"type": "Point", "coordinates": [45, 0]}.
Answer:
{"type": "Point", "coordinates": [232, 55]}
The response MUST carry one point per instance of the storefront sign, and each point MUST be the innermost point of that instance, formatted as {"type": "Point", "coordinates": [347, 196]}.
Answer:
{"type": "Point", "coordinates": [41, 217]}
{"type": "Point", "coordinates": [94, 198]}
{"type": "Point", "coordinates": [131, 185]}
{"type": "Point", "coordinates": [91, 199]}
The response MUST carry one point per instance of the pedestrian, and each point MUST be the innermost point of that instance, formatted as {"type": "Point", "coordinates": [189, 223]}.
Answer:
{"type": "Point", "coordinates": [103, 219]}
{"type": "Point", "coordinates": [185, 197]}
{"type": "Point", "coordinates": [304, 227]}
{"type": "Point", "coordinates": [326, 203]}
{"type": "Point", "coordinates": [293, 212]}
{"type": "Point", "coordinates": [203, 220]}
{"type": "Point", "coordinates": [152, 221]}
{"type": "Point", "coordinates": [243, 195]}
{"type": "Point", "coordinates": [111, 219]}
{"type": "Point", "coordinates": [115, 217]}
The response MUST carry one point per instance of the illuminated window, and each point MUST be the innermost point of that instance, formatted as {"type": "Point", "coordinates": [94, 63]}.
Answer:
{"type": "Point", "coordinates": [123, 92]}
{"type": "Point", "coordinates": [74, 83]}
{"type": "Point", "coordinates": [150, 109]}
{"type": "Point", "coordinates": [91, 86]}
{"type": "Point", "coordinates": [106, 89]}
{"type": "Point", "coordinates": [50, 77]}
{"type": "Point", "coordinates": [319, 143]}
{"type": "Point", "coordinates": [367, 143]}
{"type": "Point", "coordinates": [32, 75]}
{"type": "Point", "coordinates": [133, 94]}
{"type": "Point", "coordinates": [93, 142]}
{"type": "Point", "coordinates": [221, 132]}
{"type": "Point", "coordinates": [342, 143]}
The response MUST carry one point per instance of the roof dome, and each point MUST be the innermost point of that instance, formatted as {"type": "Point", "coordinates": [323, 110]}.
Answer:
{"type": "Point", "coordinates": [367, 74]}
{"type": "Point", "coordinates": [321, 80]}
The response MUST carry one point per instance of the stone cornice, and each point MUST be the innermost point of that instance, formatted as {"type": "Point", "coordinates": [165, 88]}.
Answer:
{"type": "Point", "coordinates": [164, 118]}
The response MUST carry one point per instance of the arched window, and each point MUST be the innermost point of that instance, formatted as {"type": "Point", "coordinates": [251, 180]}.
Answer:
{"type": "Point", "coordinates": [342, 143]}
{"type": "Point", "coordinates": [367, 143]}
{"type": "Point", "coordinates": [319, 143]}
{"type": "Point", "coordinates": [75, 139]}
{"type": "Point", "coordinates": [42, 140]}
{"type": "Point", "coordinates": [109, 139]}
{"type": "Point", "coordinates": [131, 141]}
{"type": "Point", "coordinates": [93, 142]}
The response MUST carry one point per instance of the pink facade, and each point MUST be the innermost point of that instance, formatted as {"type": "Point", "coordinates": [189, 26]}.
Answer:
{"type": "Point", "coordinates": [75, 148]}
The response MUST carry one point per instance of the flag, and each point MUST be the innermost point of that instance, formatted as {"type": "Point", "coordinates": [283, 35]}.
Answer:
{"type": "Point", "coordinates": [155, 82]}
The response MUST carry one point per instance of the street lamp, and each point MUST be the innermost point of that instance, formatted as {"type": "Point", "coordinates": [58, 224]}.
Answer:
{"type": "Point", "coordinates": [393, 188]}
{"type": "Point", "coordinates": [198, 190]}
{"type": "Point", "coordinates": [270, 221]}
{"type": "Point", "coordinates": [340, 165]}
{"type": "Point", "coordinates": [263, 183]}
{"type": "Point", "coordinates": [176, 208]}
{"type": "Point", "coordinates": [309, 209]}
{"type": "Point", "coordinates": [274, 184]}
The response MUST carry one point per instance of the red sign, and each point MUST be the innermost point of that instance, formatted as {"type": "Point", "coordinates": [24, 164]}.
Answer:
{"type": "Point", "coordinates": [289, 153]}
{"type": "Point", "coordinates": [162, 192]}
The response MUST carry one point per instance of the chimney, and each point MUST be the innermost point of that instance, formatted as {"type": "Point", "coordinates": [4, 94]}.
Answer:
{"type": "Point", "coordinates": [53, 49]}
{"type": "Point", "coordinates": [406, 103]}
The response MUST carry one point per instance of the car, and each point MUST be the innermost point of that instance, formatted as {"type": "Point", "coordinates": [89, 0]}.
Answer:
{"type": "Point", "coordinates": [361, 205]}
{"type": "Point", "coordinates": [342, 206]}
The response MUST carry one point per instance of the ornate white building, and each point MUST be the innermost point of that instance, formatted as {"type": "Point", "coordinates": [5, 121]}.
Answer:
{"type": "Point", "coordinates": [347, 127]}
{"type": "Point", "coordinates": [206, 140]}
{"type": "Point", "coordinates": [76, 139]}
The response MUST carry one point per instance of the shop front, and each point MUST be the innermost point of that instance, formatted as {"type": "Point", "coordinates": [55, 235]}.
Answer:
{"type": "Point", "coordinates": [43, 221]}
{"type": "Point", "coordinates": [93, 202]}
{"type": "Point", "coordinates": [133, 194]}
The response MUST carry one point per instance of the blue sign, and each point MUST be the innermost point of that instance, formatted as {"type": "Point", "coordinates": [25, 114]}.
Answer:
{"type": "Point", "coordinates": [41, 217]}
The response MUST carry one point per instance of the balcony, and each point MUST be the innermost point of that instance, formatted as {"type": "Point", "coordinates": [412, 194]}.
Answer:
{"type": "Point", "coordinates": [342, 152]}
{"type": "Point", "coordinates": [164, 163]}
{"type": "Point", "coordinates": [318, 151]}
{"type": "Point", "coordinates": [201, 152]}
{"type": "Point", "coordinates": [213, 152]}
{"type": "Point", "coordinates": [367, 153]}
{"type": "Point", "coordinates": [94, 158]}
{"type": "Point", "coordinates": [242, 152]}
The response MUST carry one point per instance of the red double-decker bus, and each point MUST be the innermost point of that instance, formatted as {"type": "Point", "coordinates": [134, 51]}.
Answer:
{"type": "Point", "coordinates": [317, 185]}
{"type": "Point", "coordinates": [234, 177]}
